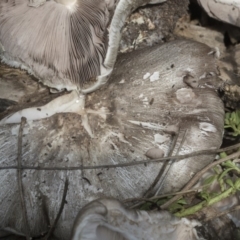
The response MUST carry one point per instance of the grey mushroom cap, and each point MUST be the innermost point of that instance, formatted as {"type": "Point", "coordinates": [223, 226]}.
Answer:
{"type": "Point", "coordinates": [146, 103]}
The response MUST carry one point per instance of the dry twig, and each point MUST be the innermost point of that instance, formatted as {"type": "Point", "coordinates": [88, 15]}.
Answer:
{"type": "Point", "coordinates": [232, 209]}
{"type": "Point", "coordinates": [156, 180]}
{"type": "Point", "coordinates": [19, 179]}
{"type": "Point", "coordinates": [198, 176]}
{"type": "Point", "coordinates": [133, 163]}
{"type": "Point", "coordinates": [52, 228]}
{"type": "Point", "coordinates": [171, 162]}
{"type": "Point", "coordinates": [160, 196]}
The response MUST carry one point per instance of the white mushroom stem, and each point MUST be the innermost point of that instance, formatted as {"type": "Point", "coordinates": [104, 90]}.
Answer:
{"type": "Point", "coordinates": [123, 10]}
{"type": "Point", "coordinates": [72, 102]}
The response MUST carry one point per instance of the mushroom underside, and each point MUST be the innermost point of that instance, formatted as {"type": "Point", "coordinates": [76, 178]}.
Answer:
{"type": "Point", "coordinates": [73, 50]}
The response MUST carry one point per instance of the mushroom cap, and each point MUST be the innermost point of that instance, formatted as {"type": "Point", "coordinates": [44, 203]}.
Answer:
{"type": "Point", "coordinates": [109, 219]}
{"type": "Point", "coordinates": [129, 117]}
{"type": "Point", "coordinates": [64, 43]}
{"type": "Point", "coordinates": [223, 10]}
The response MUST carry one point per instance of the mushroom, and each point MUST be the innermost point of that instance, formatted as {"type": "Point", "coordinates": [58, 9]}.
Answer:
{"type": "Point", "coordinates": [108, 219]}
{"type": "Point", "coordinates": [223, 10]}
{"type": "Point", "coordinates": [128, 119]}
{"type": "Point", "coordinates": [64, 43]}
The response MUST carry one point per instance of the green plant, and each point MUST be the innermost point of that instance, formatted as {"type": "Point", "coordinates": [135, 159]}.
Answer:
{"type": "Point", "coordinates": [228, 187]}
{"type": "Point", "coordinates": [222, 182]}
{"type": "Point", "coordinates": [232, 120]}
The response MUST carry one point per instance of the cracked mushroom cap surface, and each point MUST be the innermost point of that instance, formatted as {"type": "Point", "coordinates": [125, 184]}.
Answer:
{"type": "Point", "coordinates": [145, 105]}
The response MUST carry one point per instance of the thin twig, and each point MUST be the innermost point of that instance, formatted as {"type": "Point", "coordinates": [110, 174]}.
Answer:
{"type": "Point", "coordinates": [156, 180]}
{"type": "Point", "coordinates": [198, 176]}
{"type": "Point", "coordinates": [170, 163]}
{"type": "Point", "coordinates": [143, 200]}
{"type": "Point", "coordinates": [232, 209]}
{"type": "Point", "coordinates": [52, 228]}
{"type": "Point", "coordinates": [19, 179]}
{"type": "Point", "coordinates": [205, 203]}
{"type": "Point", "coordinates": [161, 196]}
{"type": "Point", "coordinates": [133, 163]}
{"type": "Point", "coordinates": [164, 169]}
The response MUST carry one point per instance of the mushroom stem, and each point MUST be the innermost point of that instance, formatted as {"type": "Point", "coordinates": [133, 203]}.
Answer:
{"type": "Point", "coordinates": [72, 102]}
{"type": "Point", "coordinates": [123, 10]}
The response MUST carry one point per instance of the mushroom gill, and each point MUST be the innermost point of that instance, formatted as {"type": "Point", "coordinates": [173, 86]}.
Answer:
{"type": "Point", "coordinates": [64, 43]}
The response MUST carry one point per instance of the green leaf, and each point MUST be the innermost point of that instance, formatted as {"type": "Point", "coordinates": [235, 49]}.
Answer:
{"type": "Point", "coordinates": [209, 180]}
{"type": "Point", "coordinates": [182, 201]}
{"type": "Point", "coordinates": [228, 126]}
{"type": "Point", "coordinates": [232, 120]}
{"type": "Point", "coordinates": [222, 184]}
{"type": "Point", "coordinates": [161, 201]}
{"type": "Point", "coordinates": [227, 121]}
{"type": "Point", "coordinates": [230, 182]}
{"type": "Point", "coordinates": [233, 117]}
{"type": "Point", "coordinates": [217, 170]}
{"type": "Point", "coordinates": [227, 115]}
{"type": "Point", "coordinates": [223, 155]}
{"type": "Point", "coordinates": [175, 206]}
{"type": "Point", "coordinates": [214, 194]}
{"type": "Point", "coordinates": [205, 195]}
{"type": "Point", "coordinates": [237, 119]}
{"type": "Point", "coordinates": [237, 184]}
{"type": "Point", "coordinates": [229, 164]}
{"type": "Point", "coordinates": [224, 173]}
